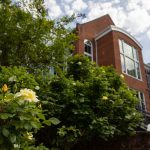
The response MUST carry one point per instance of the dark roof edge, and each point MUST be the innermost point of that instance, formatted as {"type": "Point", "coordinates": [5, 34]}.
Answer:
{"type": "Point", "coordinates": [99, 18]}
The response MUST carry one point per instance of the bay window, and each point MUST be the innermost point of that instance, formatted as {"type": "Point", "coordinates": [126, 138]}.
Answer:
{"type": "Point", "coordinates": [129, 60]}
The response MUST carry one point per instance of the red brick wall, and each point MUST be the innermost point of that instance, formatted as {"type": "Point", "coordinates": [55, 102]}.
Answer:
{"type": "Point", "coordinates": [89, 31]}
{"type": "Point", "coordinates": [105, 50]}
{"type": "Point", "coordinates": [140, 85]}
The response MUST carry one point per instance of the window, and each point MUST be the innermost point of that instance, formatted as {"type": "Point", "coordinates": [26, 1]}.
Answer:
{"type": "Point", "coordinates": [88, 49]}
{"type": "Point", "coordinates": [129, 60]}
{"type": "Point", "coordinates": [52, 70]}
{"type": "Point", "coordinates": [140, 95]}
{"type": "Point", "coordinates": [142, 105]}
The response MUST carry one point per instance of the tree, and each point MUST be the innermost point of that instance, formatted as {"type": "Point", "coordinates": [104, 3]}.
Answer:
{"type": "Point", "coordinates": [29, 38]}
{"type": "Point", "coordinates": [90, 102]}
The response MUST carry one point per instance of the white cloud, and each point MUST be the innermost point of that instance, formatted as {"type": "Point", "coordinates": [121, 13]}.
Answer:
{"type": "Point", "coordinates": [67, 1]}
{"type": "Point", "coordinates": [148, 33]}
{"type": "Point", "coordinates": [132, 16]}
{"type": "Point", "coordinates": [54, 9]}
{"type": "Point", "coordinates": [79, 5]}
{"type": "Point", "coordinates": [67, 9]}
{"type": "Point", "coordinates": [137, 21]}
{"type": "Point", "coordinates": [146, 4]}
{"type": "Point", "coordinates": [146, 56]}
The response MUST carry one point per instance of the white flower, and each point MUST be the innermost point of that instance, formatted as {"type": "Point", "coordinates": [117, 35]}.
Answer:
{"type": "Point", "coordinates": [27, 95]}
{"type": "Point", "coordinates": [122, 76]}
{"type": "Point", "coordinates": [79, 63]}
{"type": "Point", "coordinates": [73, 83]}
{"type": "Point", "coordinates": [29, 135]}
{"type": "Point", "coordinates": [37, 87]}
{"type": "Point", "coordinates": [16, 146]}
{"type": "Point", "coordinates": [13, 78]}
{"type": "Point", "coordinates": [105, 98]}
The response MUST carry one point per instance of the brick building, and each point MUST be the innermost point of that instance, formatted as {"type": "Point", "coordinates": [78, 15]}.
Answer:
{"type": "Point", "coordinates": [147, 72]}
{"type": "Point", "coordinates": [106, 44]}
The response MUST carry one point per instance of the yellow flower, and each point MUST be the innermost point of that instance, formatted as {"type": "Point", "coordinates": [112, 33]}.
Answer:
{"type": "Point", "coordinates": [5, 88]}
{"type": "Point", "coordinates": [27, 95]}
{"type": "Point", "coordinates": [122, 76]}
{"type": "Point", "coordinates": [104, 97]}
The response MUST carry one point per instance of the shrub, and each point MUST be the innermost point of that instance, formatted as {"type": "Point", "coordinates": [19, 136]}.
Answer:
{"type": "Point", "coordinates": [89, 101]}
{"type": "Point", "coordinates": [17, 78]}
{"type": "Point", "coordinates": [20, 117]}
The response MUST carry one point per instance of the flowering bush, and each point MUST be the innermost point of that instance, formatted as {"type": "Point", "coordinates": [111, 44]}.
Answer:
{"type": "Point", "coordinates": [90, 102]}
{"type": "Point", "coordinates": [20, 117]}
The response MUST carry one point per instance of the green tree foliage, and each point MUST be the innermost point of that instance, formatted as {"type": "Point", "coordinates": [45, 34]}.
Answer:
{"type": "Point", "coordinates": [17, 78]}
{"type": "Point", "coordinates": [89, 101]}
{"type": "Point", "coordinates": [29, 38]}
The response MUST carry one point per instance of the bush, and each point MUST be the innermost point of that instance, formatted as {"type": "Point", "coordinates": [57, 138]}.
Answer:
{"type": "Point", "coordinates": [17, 78]}
{"type": "Point", "coordinates": [90, 102]}
{"type": "Point", "coordinates": [20, 117]}
{"type": "Point", "coordinates": [21, 114]}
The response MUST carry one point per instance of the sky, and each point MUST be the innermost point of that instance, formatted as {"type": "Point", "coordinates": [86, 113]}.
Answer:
{"type": "Point", "coordinates": [130, 15]}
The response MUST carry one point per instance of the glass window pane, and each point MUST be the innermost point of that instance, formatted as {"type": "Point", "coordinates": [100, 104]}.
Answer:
{"type": "Point", "coordinates": [129, 59]}
{"type": "Point", "coordinates": [135, 54]}
{"type": "Point", "coordinates": [87, 48]}
{"type": "Point", "coordinates": [128, 50]}
{"type": "Point", "coordinates": [123, 63]}
{"type": "Point", "coordinates": [139, 104]}
{"type": "Point", "coordinates": [138, 71]}
{"type": "Point", "coordinates": [141, 97]}
{"type": "Point", "coordinates": [130, 67]}
{"type": "Point", "coordinates": [120, 46]}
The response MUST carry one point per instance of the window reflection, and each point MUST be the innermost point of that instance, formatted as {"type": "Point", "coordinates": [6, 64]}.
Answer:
{"type": "Point", "coordinates": [128, 50]}
{"type": "Point", "coordinates": [123, 63]}
{"type": "Point", "coordinates": [129, 60]}
{"type": "Point", "coordinates": [130, 67]}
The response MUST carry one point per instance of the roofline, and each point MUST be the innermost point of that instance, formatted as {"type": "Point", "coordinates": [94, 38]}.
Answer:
{"type": "Point", "coordinates": [147, 65]}
{"type": "Point", "coordinates": [106, 15]}
{"type": "Point", "coordinates": [114, 28]}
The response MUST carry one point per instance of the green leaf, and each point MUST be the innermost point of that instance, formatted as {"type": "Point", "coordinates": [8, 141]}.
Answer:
{"type": "Point", "coordinates": [27, 126]}
{"type": "Point", "coordinates": [54, 121]}
{"type": "Point", "coordinates": [41, 116]}
{"type": "Point", "coordinates": [4, 116]}
{"type": "Point", "coordinates": [35, 125]}
{"type": "Point", "coordinates": [5, 132]}
{"type": "Point", "coordinates": [50, 121]}
{"type": "Point", "coordinates": [13, 138]}
{"type": "Point", "coordinates": [47, 122]}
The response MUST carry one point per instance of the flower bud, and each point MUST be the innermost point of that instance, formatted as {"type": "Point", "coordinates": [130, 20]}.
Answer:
{"type": "Point", "coordinates": [5, 88]}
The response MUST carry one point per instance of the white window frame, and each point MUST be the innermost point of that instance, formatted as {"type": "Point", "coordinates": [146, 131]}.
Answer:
{"type": "Point", "coordinates": [142, 102]}
{"type": "Point", "coordinates": [136, 61]}
{"type": "Point", "coordinates": [90, 45]}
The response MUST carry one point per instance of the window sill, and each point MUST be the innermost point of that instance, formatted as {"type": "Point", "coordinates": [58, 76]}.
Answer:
{"type": "Point", "coordinates": [132, 77]}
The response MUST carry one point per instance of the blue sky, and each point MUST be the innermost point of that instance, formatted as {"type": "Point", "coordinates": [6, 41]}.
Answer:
{"type": "Point", "coordinates": [131, 15]}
